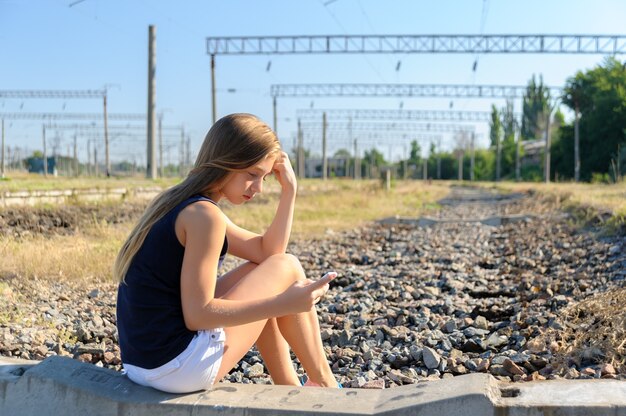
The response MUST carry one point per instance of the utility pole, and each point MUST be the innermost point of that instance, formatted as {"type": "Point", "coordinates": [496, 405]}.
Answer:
{"type": "Point", "coordinates": [188, 151]}
{"type": "Point", "coordinates": [107, 162]}
{"type": "Point", "coordinates": [300, 158]}
{"type": "Point", "coordinates": [460, 173]}
{"type": "Point", "coordinates": [324, 160]}
{"type": "Point", "coordinates": [498, 156]}
{"type": "Point", "coordinates": [576, 144]}
{"type": "Point", "coordinates": [439, 159]}
{"type": "Point", "coordinates": [472, 157]}
{"type": "Point", "coordinates": [151, 171]}
{"type": "Point", "coordinates": [275, 117]}
{"type": "Point", "coordinates": [213, 87]}
{"type": "Point", "coordinates": [181, 155]}
{"type": "Point", "coordinates": [518, 167]}
{"type": "Point", "coordinates": [2, 164]}
{"type": "Point", "coordinates": [75, 156]}
{"type": "Point", "coordinates": [405, 164]}
{"type": "Point", "coordinates": [546, 166]}
{"type": "Point", "coordinates": [88, 157]}
{"type": "Point", "coordinates": [45, 153]}
{"type": "Point", "coordinates": [357, 161]}
{"type": "Point", "coordinates": [161, 145]}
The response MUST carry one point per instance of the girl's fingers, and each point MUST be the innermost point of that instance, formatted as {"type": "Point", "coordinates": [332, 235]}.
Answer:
{"type": "Point", "coordinates": [318, 293]}
{"type": "Point", "coordinates": [321, 286]}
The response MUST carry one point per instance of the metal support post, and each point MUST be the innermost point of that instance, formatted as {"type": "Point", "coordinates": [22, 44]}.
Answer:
{"type": "Point", "coordinates": [275, 115]}
{"type": "Point", "coordinates": [45, 153]}
{"type": "Point", "coordinates": [213, 110]}
{"type": "Point", "coordinates": [324, 159]}
{"type": "Point", "coordinates": [107, 161]}
{"type": "Point", "coordinates": [2, 163]}
{"type": "Point", "coordinates": [472, 157]}
{"type": "Point", "coordinates": [151, 171]}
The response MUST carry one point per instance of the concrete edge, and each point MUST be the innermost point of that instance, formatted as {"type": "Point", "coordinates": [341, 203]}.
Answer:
{"type": "Point", "coordinates": [61, 385]}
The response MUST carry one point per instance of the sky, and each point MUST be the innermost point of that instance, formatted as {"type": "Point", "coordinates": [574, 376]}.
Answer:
{"type": "Point", "coordinates": [96, 44]}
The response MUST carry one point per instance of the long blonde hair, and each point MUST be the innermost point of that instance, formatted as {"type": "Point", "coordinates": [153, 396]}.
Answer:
{"type": "Point", "coordinates": [233, 143]}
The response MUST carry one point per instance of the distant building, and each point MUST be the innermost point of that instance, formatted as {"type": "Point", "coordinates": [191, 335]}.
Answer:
{"type": "Point", "coordinates": [533, 152]}
{"type": "Point", "coordinates": [35, 165]}
{"type": "Point", "coordinates": [337, 167]}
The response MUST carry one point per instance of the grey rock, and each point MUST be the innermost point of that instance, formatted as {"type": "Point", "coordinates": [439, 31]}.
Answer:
{"type": "Point", "coordinates": [431, 358]}
{"type": "Point", "coordinates": [255, 370]}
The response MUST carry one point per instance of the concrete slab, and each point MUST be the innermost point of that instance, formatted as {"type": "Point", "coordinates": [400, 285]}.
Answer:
{"type": "Point", "coordinates": [62, 386]}
{"type": "Point", "coordinates": [11, 369]}
{"type": "Point", "coordinates": [563, 397]}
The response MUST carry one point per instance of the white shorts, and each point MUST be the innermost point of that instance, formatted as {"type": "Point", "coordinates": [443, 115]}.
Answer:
{"type": "Point", "coordinates": [193, 369]}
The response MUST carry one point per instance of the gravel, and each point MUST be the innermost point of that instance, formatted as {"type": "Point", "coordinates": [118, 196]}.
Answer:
{"type": "Point", "coordinates": [410, 303]}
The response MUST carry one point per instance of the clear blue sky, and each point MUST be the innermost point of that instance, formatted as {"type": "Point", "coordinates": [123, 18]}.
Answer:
{"type": "Point", "coordinates": [55, 44]}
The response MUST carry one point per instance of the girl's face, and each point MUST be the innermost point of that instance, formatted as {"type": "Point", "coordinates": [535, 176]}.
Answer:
{"type": "Point", "coordinates": [243, 185]}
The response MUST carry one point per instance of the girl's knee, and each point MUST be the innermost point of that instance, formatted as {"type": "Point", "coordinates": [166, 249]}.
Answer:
{"type": "Point", "coordinates": [288, 263]}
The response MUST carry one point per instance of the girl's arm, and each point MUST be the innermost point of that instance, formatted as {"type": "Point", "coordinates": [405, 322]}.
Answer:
{"type": "Point", "coordinates": [200, 228]}
{"type": "Point", "coordinates": [254, 247]}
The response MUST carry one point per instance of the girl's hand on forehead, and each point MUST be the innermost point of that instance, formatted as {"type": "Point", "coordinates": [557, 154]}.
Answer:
{"type": "Point", "coordinates": [284, 173]}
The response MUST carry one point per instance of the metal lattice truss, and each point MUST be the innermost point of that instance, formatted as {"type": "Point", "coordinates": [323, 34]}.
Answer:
{"type": "Point", "coordinates": [389, 127]}
{"type": "Point", "coordinates": [72, 116]}
{"type": "Point", "coordinates": [125, 127]}
{"type": "Point", "coordinates": [335, 44]}
{"type": "Point", "coordinates": [129, 136]}
{"type": "Point", "coordinates": [52, 93]}
{"type": "Point", "coordinates": [373, 137]}
{"type": "Point", "coordinates": [402, 90]}
{"type": "Point", "coordinates": [387, 114]}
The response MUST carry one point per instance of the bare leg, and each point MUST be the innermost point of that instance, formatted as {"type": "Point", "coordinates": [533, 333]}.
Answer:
{"type": "Point", "coordinates": [301, 329]}
{"type": "Point", "coordinates": [308, 349]}
{"type": "Point", "coordinates": [276, 355]}
{"type": "Point", "coordinates": [271, 344]}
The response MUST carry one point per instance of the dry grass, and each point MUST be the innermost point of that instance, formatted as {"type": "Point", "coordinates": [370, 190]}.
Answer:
{"type": "Point", "coordinates": [337, 205]}
{"type": "Point", "coordinates": [595, 203]}
{"type": "Point", "coordinates": [87, 256]}
{"type": "Point", "coordinates": [340, 204]}
{"type": "Point", "coordinates": [594, 331]}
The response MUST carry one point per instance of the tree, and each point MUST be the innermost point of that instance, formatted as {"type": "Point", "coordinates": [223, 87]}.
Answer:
{"type": "Point", "coordinates": [374, 157]}
{"type": "Point", "coordinates": [342, 154]}
{"type": "Point", "coordinates": [601, 97]}
{"type": "Point", "coordinates": [416, 153]}
{"type": "Point", "coordinates": [495, 132]}
{"type": "Point", "coordinates": [495, 126]}
{"type": "Point", "coordinates": [574, 97]}
{"type": "Point", "coordinates": [508, 146]}
{"type": "Point", "coordinates": [535, 107]}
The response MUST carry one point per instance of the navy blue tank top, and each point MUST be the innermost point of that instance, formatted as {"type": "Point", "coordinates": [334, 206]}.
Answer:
{"type": "Point", "coordinates": [150, 321]}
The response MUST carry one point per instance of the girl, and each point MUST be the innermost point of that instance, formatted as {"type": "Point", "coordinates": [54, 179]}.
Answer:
{"type": "Point", "coordinates": [181, 328]}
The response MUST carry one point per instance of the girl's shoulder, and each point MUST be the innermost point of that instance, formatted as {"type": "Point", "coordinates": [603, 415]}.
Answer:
{"type": "Point", "coordinates": [201, 211]}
